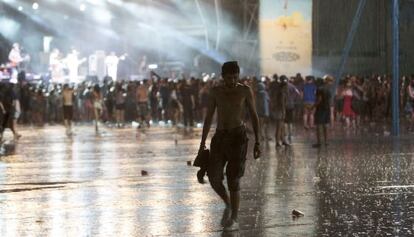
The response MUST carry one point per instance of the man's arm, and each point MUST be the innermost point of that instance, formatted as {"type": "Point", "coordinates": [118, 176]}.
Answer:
{"type": "Point", "coordinates": [253, 114]}
{"type": "Point", "coordinates": [2, 108]}
{"type": "Point", "coordinates": [209, 117]}
{"type": "Point", "coordinates": [255, 122]}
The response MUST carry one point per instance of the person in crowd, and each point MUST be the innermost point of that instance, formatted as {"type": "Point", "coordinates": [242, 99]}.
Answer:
{"type": "Point", "coordinates": [195, 88]}
{"type": "Point", "coordinates": [370, 87]}
{"type": "Point", "coordinates": [229, 144]}
{"type": "Point", "coordinates": [131, 113]}
{"type": "Point", "coordinates": [347, 112]}
{"type": "Point", "coordinates": [293, 95]}
{"type": "Point", "coordinates": [120, 95]}
{"type": "Point", "coordinates": [68, 98]}
{"type": "Point", "coordinates": [357, 102]}
{"type": "Point", "coordinates": [17, 113]}
{"type": "Point", "coordinates": [188, 102]}
{"type": "Point", "coordinates": [154, 101]}
{"type": "Point", "coordinates": [263, 110]}
{"type": "Point", "coordinates": [278, 98]}
{"type": "Point", "coordinates": [165, 99]}
{"type": "Point", "coordinates": [8, 107]}
{"type": "Point", "coordinates": [51, 113]}
{"type": "Point", "coordinates": [25, 104]}
{"type": "Point", "coordinates": [97, 105]}
{"type": "Point", "coordinates": [204, 98]}
{"type": "Point", "coordinates": [309, 97]}
{"type": "Point", "coordinates": [328, 84]}
{"type": "Point", "coordinates": [175, 108]}
{"type": "Point", "coordinates": [142, 103]}
{"type": "Point", "coordinates": [109, 100]}
{"type": "Point", "coordinates": [322, 112]}
{"type": "Point", "coordinates": [40, 105]}
{"type": "Point", "coordinates": [410, 103]}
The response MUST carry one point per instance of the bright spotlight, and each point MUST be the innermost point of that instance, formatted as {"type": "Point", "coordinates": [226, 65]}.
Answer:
{"type": "Point", "coordinates": [102, 15]}
{"type": "Point", "coordinates": [9, 27]}
{"type": "Point", "coordinates": [20, 8]}
{"type": "Point", "coordinates": [153, 66]}
{"type": "Point", "coordinates": [35, 6]}
{"type": "Point", "coordinates": [82, 7]}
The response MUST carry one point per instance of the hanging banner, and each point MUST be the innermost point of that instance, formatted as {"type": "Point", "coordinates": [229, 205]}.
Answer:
{"type": "Point", "coordinates": [286, 37]}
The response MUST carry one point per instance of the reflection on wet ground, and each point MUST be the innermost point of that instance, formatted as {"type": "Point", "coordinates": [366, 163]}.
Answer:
{"type": "Point", "coordinates": [88, 185]}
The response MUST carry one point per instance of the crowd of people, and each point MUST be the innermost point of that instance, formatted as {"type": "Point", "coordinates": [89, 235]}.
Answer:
{"type": "Point", "coordinates": [281, 101]}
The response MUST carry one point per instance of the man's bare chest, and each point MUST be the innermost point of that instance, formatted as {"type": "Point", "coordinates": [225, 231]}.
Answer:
{"type": "Point", "coordinates": [230, 98]}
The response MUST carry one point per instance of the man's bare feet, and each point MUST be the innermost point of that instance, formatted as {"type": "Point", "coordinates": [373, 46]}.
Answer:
{"type": "Point", "coordinates": [232, 225]}
{"type": "Point", "coordinates": [226, 216]}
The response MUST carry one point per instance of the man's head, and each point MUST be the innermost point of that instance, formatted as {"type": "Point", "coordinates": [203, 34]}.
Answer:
{"type": "Point", "coordinates": [319, 82]}
{"type": "Point", "coordinates": [230, 72]}
{"type": "Point", "coordinates": [310, 79]}
{"type": "Point", "coordinates": [283, 80]}
{"type": "Point", "coordinates": [328, 79]}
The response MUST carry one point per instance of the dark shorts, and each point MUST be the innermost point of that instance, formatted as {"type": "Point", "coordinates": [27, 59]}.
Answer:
{"type": "Point", "coordinates": [120, 107]}
{"type": "Point", "coordinates": [289, 116]}
{"type": "Point", "coordinates": [142, 109]}
{"type": "Point", "coordinates": [67, 112]}
{"type": "Point", "coordinates": [6, 121]}
{"type": "Point", "coordinates": [228, 147]}
{"type": "Point", "coordinates": [322, 116]}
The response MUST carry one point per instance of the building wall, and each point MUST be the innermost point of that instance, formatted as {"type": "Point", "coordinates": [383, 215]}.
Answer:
{"type": "Point", "coordinates": [407, 36]}
{"type": "Point", "coordinates": [372, 48]}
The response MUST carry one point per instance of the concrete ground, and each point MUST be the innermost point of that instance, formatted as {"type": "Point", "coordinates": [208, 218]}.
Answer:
{"type": "Point", "coordinates": [92, 185]}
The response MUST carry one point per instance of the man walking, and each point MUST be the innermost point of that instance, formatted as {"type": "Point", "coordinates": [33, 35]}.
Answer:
{"type": "Point", "coordinates": [229, 143]}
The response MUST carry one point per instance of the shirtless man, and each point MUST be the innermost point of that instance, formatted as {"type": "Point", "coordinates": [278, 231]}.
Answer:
{"type": "Point", "coordinates": [229, 144]}
{"type": "Point", "coordinates": [67, 95]}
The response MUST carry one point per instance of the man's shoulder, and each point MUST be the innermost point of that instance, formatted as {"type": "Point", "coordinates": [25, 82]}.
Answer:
{"type": "Point", "coordinates": [243, 85]}
{"type": "Point", "coordinates": [215, 88]}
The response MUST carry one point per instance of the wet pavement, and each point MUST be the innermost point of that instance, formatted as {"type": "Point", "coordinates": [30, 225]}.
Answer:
{"type": "Point", "coordinates": [92, 185]}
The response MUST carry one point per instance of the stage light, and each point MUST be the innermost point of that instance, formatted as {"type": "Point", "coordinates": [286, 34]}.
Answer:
{"type": "Point", "coordinates": [95, 2]}
{"type": "Point", "coordinates": [102, 15]}
{"type": "Point", "coordinates": [20, 8]}
{"type": "Point", "coordinates": [9, 27]}
{"type": "Point", "coordinates": [152, 66]}
{"type": "Point", "coordinates": [35, 6]}
{"type": "Point", "coordinates": [82, 7]}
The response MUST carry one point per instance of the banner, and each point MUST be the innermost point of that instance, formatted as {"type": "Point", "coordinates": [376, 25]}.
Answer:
{"type": "Point", "coordinates": [286, 37]}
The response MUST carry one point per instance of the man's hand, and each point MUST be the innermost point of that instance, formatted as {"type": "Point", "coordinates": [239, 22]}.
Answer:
{"type": "Point", "coordinates": [202, 147]}
{"type": "Point", "coordinates": [256, 152]}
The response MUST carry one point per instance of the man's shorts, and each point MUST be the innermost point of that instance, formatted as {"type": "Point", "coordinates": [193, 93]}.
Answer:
{"type": "Point", "coordinates": [289, 116]}
{"type": "Point", "coordinates": [308, 107]}
{"type": "Point", "coordinates": [67, 112]}
{"type": "Point", "coordinates": [142, 109]}
{"type": "Point", "coordinates": [322, 116]}
{"type": "Point", "coordinates": [120, 106]}
{"type": "Point", "coordinates": [228, 146]}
